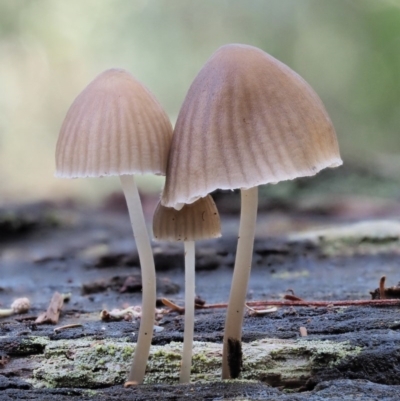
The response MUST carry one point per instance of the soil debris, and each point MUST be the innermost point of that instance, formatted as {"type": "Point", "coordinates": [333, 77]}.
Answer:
{"type": "Point", "coordinates": [131, 284]}
{"type": "Point", "coordinates": [128, 283]}
{"type": "Point", "coordinates": [4, 359]}
{"type": "Point", "coordinates": [385, 293]}
{"type": "Point", "coordinates": [198, 301]}
{"type": "Point", "coordinates": [53, 311]}
{"type": "Point", "coordinates": [290, 297]}
{"type": "Point", "coordinates": [260, 312]}
{"type": "Point", "coordinates": [303, 331]}
{"type": "Point", "coordinates": [128, 314]}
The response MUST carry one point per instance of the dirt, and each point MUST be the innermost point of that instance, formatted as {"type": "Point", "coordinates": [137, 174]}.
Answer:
{"type": "Point", "coordinates": [91, 255]}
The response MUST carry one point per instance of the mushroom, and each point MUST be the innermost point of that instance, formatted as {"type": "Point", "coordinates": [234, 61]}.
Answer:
{"type": "Point", "coordinates": [247, 120]}
{"type": "Point", "coordinates": [116, 126]}
{"type": "Point", "coordinates": [20, 305]}
{"type": "Point", "coordinates": [199, 220]}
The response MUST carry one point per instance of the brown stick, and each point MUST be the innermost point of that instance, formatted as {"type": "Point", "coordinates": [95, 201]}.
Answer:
{"type": "Point", "coordinates": [362, 302]}
{"type": "Point", "coordinates": [53, 311]}
{"type": "Point", "coordinates": [174, 307]}
{"type": "Point", "coordinates": [67, 326]}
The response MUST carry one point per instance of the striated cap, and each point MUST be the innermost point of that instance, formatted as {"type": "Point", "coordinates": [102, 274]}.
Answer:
{"type": "Point", "coordinates": [199, 220]}
{"type": "Point", "coordinates": [115, 126]}
{"type": "Point", "coordinates": [247, 120]}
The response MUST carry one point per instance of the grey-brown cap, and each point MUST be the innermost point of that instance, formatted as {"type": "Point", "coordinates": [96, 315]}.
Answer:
{"type": "Point", "coordinates": [247, 120]}
{"type": "Point", "coordinates": [115, 126]}
{"type": "Point", "coordinates": [199, 220]}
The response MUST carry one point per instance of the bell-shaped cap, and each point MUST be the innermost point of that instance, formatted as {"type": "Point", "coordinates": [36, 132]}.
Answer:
{"type": "Point", "coordinates": [247, 120]}
{"type": "Point", "coordinates": [199, 220]}
{"type": "Point", "coordinates": [115, 126]}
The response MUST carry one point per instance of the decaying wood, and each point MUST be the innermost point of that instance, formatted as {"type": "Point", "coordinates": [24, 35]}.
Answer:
{"type": "Point", "coordinates": [346, 339]}
{"type": "Point", "coordinates": [87, 363]}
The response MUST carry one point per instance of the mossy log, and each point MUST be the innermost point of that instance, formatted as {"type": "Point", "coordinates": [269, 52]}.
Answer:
{"type": "Point", "coordinates": [88, 363]}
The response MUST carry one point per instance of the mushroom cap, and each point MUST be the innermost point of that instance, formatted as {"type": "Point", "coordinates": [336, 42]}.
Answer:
{"type": "Point", "coordinates": [247, 119]}
{"type": "Point", "coordinates": [21, 305]}
{"type": "Point", "coordinates": [115, 126]}
{"type": "Point", "coordinates": [199, 220]}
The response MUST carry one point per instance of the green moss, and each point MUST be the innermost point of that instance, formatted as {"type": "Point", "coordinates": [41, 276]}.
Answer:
{"type": "Point", "coordinates": [166, 354]}
{"type": "Point", "coordinates": [367, 237]}
{"type": "Point", "coordinates": [91, 393]}
{"type": "Point", "coordinates": [289, 275]}
{"type": "Point", "coordinates": [83, 363]}
{"type": "Point", "coordinates": [30, 345]}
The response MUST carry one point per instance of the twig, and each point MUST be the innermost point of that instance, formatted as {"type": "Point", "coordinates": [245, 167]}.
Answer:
{"type": "Point", "coordinates": [176, 307]}
{"type": "Point", "coordinates": [362, 302]}
{"type": "Point", "coordinates": [66, 327]}
{"type": "Point", "coordinates": [260, 312]}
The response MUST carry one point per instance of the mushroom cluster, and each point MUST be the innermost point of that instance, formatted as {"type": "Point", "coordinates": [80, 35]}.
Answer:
{"type": "Point", "coordinates": [247, 120]}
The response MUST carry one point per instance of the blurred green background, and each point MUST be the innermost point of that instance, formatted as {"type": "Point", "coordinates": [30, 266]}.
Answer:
{"type": "Point", "coordinates": [349, 51]}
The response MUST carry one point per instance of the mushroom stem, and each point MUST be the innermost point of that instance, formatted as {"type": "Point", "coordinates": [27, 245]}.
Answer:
{"type": "Point", "coordinates": [140, 234]}
{"type": "Point", "coordinates": [231, 364]}
{"type": "Point", "coordinates": [189, 311]}
{"type": "Point", "coordinates": [6, 312]}
{"type": "Point", "coordinates": [20, 305]}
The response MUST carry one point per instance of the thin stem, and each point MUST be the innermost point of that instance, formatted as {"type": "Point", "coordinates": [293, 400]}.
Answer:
{"type": "Point", "coordinates": [240, 280]}
{"type": "Point", "coordinates": [6, 312]}
{"type": "Point", "coordinates": [189, 311]}
{"type": "Point", "coordinates": [141, 236]}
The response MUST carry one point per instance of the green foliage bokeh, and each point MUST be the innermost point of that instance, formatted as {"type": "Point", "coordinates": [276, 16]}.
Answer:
{"type": "Point", "coordinates": [348, 50]}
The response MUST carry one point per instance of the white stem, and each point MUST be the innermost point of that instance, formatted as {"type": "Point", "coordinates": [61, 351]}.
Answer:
{"type": "Point", "coordinates": [241, 275]}
{"type": "Point", "coordinates": [189, 311]}
{"type": "Point", "coordinates": [141, 236]}
{"type": "Point", "coordinates": [6, 312]}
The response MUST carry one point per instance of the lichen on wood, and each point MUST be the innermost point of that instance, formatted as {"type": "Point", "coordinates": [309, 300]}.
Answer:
{"type": "Point", "coordinates": [87, 363]}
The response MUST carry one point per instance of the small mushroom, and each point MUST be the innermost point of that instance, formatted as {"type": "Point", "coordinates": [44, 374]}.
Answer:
{"type": "Point", "coordinates": [20, 305]}
{"type": "Point", "coordinates": [117, 127]}
{"type": "Point", "coordinates": [199, 220]}
{"type": "Point", "coordinates": [247, 120]}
